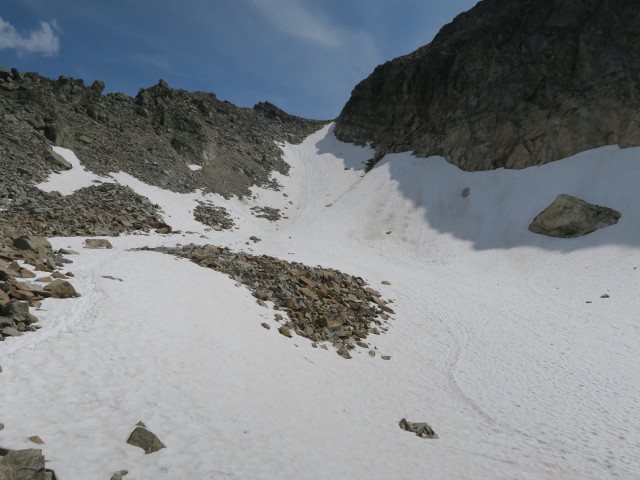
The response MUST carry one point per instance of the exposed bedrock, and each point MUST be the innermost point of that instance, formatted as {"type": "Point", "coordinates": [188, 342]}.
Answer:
{"type": "Point", "coordinates": [510, 83]}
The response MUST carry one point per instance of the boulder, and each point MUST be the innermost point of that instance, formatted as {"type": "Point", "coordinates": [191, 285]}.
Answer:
{"type": "Point", "coordinates": [25, 464]}
{"type": "Point", "coordinates": [421, 429]}
{"type": "Point", "coordinates": [97, 243]}
{"type": "Point", "coordinates": [570, 217]}
{"type": "Point", "coordinates": [143, 438]}
{"type": "Point", "coordinates": [15, 309]}
{"type": "Point", "coordinates": [61, 289]}
{"type": "Point", "coordinates": [37, 244]}
{"type": "Point", "coordinates": [58, 161]}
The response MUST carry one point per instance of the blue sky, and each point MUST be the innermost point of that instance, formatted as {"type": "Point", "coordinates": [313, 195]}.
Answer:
{"type": "Point", "coordinates": [303, 55]}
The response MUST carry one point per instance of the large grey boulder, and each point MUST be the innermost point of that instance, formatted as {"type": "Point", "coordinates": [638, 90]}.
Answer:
{"type": "Point", "coordinates": [24, 465]}
{"type": "Point", "coordinates": [569, 217]}
{"type": "Point", "coordinates": [510, 83]}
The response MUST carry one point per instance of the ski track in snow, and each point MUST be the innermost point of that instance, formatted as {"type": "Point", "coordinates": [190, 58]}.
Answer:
{"type": "Point", "coordinates": [492, 342]}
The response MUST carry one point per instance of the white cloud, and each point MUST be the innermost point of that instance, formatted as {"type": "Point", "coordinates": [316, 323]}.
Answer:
{"type": "Point", "coordinates": [44, 40]}
{"type": "Point", "coordinates": [292, 18]}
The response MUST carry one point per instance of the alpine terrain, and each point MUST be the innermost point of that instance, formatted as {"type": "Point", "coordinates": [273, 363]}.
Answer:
{"type": "Point", "coordinates": [441, 283]}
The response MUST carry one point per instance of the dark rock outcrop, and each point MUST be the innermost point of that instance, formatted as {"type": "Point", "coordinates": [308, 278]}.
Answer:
{"type": "Point", "coordinates": [570, 217]}
{"type": "Point", "coordinates": [510, 83]}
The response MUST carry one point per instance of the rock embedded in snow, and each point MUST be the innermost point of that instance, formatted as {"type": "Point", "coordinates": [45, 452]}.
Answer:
{"type": "Point", "coordinates": [58, 161]}
{"type": "Point", "coordinates": [570, 217]}
{"type": "Point", "coordinates": [323, 304]}
{"type": "Point", "coordinates": [213, 216]}
{"type": "Point", "coordinates": [119, 475]}
{"type": "Point", "coordinates": [146, 440]}
{"type": "Point", "coordinates": [28, 464]}
{"type": "Point", "coordinates": [422, 430]}
{"type": "Point", "coordinates": [97, 243]}
{"type": "Point", "coordinates": [61, 289]}
{"type": "Point", "coordinates": [36, 439]}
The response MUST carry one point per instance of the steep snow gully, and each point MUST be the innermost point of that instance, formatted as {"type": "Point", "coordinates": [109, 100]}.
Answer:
{"type": "Point", "coordinates": [492, 343]}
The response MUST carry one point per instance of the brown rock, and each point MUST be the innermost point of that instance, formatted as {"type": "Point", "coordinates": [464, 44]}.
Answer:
{"type": "Point", "coordinates": [97, 243]}
{"type": "Point", "coordinates": [285, 331]}
{"type": "Point", "coordinates": [61, 289]}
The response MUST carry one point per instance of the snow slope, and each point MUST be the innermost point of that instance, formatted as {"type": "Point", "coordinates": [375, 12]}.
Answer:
{"type": "Point", "coordinates": [493, 342]}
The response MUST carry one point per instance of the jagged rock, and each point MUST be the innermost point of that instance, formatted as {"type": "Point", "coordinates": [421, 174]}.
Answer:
{"type": "Point", "coordinates": [570, 217]}
{"type": "Point", "coordinates": [510, 83]}
{"type": "Point", "coordinates": [58, 161]}
{"type": "Point", "coordinates": [97, 243]}
{"type": "Point", "coordinates": [37, 244]}
{"type": "Point", "coordinates": [61, 289]}
{"type": "Point", "coordinates": [423, 430]}
{"type": "Point", "coordinates": [119, 474]}
{"type": "Point", "coordinates": [15, 309]}
{"type": "Point", "coordinates": [143, 438]}
{"type": "Point", "coordinates": [25, 464]}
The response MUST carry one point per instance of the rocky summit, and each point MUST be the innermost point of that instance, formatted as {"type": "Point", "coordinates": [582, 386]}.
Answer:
{"type": "Point", "coordinates": [155, 136]}
{"type": "Point", "coordinates": [510, 83]}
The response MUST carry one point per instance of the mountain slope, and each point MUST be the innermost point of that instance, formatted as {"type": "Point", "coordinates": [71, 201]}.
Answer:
{"type": "Point", "coordinates": [492, 341]}
{"type": "Point", "coordinates": [508, 84]}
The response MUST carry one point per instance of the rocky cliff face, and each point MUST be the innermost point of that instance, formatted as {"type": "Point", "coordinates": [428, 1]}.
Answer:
{"type": "Point", "coordinates": [510, 83]}
{"type": "Point", "coordinates": [154, 136]}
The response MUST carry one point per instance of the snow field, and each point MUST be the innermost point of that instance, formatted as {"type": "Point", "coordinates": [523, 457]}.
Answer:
{"type": "Point", "coordinates": [492, 343]}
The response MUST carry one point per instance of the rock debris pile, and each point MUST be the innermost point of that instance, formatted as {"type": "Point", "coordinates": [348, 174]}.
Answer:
{"type": "Point", "coordinates": [17, 294]}
{"type": "Point", "coordinates": [322, 304]}
{"type": "Point", "coordinates": [270, 213]}
{"type": "Point", "coordinates": [217, 218]}
{"type": "Point", "coordinates": [106, 209]}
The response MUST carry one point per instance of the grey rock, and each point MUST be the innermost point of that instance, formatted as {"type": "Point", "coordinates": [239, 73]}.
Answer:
{"type": "Point", "coordinates": [10, 332]}
{"type": "Point", "coordinates": [510, 83]}
{"type": "Point", "coordinates": [422, 430]}
{"type": "Point", "coordinates": [119, 474]}
{"type": "Point", "coordinates": [15, 309]}
{"type": "Point", "coordinates": [143, 438]}
{"type": "Point", "coordinates": [58, 161]}
{"type": "Point", "coordinates": [37, 244]}
{"type": "Point", "coordinates": [570, 217]}
{"type": "Point", "coordinates": [28, 464]}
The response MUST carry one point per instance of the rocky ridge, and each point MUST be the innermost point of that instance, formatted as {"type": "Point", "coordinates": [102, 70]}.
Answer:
{"type": "Point", "coordinates": [510, 83]}
{"type": "Point", "coordinates": [322, 304]}
{"type": "Point", "coordinates": [154, 136]}
{"type": "Point", "coordinates": [103, 209]}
